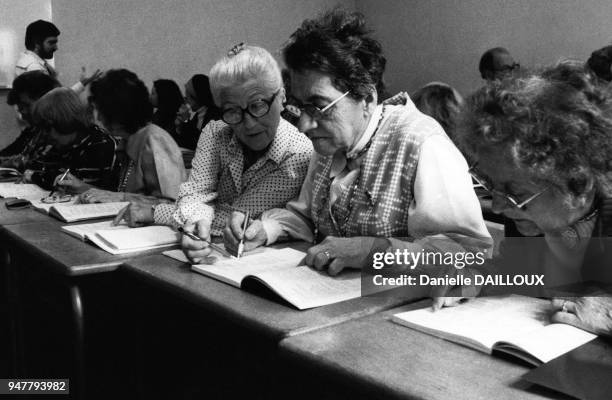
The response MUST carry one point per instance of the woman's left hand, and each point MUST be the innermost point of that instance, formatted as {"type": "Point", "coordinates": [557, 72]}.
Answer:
{"type": "Point", "coordinates": [336, 254]}
{"type": "Point", "coordinates": [593, 313]}
{"type": "Point", "coordinates": [101, 196]}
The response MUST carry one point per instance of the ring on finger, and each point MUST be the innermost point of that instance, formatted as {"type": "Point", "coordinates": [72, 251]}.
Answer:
{"type": "Point", "coordinates": [564, 306]}
{"type": "Point", "coordinates": [327, 255]}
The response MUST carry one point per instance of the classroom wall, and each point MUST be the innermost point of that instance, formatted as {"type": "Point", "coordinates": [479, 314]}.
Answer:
{"type": "Point", "coordinates": [164, 39]}
{"type": "Point", "coordinates": [429, 40]}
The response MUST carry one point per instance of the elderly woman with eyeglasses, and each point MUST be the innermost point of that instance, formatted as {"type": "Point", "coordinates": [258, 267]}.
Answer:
{"type": "Point", "coordinates": [379, 172]}
{"type": "Point", "coordinates": [541, 145]}
{"type": "Point", "coordinates": [252, 160]}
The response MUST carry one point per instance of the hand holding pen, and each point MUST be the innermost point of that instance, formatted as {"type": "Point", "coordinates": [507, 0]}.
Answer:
{"type": "Point", "coordinates": [243, 234]}
{"type": "Point", "coordinates": [196, 241]}
{"type": "Point", "coordinates": [56, 184]}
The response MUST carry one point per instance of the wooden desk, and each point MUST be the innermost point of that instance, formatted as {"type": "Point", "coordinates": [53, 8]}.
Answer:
{"type": "Point", "coordinates": [373, 357]}
{"type": "Point", "coordinates": [21, 216]}
{"type": "Point", "coordinates": [273, 318]}
{"type": "Point", "coordinates": [41, 248]}
{"type": "Point", "coordinates": [61, 253]}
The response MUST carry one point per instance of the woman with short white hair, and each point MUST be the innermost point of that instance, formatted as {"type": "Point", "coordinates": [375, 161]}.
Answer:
{"type": "Point", "coordinates": [252, 160]}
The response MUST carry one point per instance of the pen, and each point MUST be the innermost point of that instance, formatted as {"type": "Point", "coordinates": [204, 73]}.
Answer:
{"type": "Point", "coordinates": [245, 224]}
{"type": "Point", "coordinates": [212, 245]}
{"type": "Point", "coordinates": [58, 181]}
{"type": "Point", "coordinates": [120, 215]}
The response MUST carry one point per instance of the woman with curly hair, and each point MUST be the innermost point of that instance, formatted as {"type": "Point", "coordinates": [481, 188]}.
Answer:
{"type": "Point", "coordinates": [379, 172]}
{"type": "Point", "coordinates": [541, 145]}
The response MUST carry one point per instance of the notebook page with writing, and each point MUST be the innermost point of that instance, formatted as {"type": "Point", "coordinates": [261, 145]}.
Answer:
{"type": "Point", "coordinates": [27, 191]}
{"type": "Point", "coordinates": [306, 288]}
{"type": "Point", "coordinates": [233, 270]}
{"type": "Point", "coordinates": [84, 231]}
{"type": "Point", "coordinates": [481, 322]}
{"type": "Point", "coordinates": [81, 212]}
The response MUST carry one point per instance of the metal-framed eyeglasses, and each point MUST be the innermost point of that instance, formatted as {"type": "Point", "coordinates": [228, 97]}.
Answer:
{"type": "Point", "coordinates": [256, 109]}
{"type": "Point", "coordinates": [488, 186]}
{"type": "Point", "coordinates": [317, 112]}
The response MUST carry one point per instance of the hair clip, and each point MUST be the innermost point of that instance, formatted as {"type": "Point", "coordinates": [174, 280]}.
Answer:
{"type": "Point", "coordinates": [236, 49]}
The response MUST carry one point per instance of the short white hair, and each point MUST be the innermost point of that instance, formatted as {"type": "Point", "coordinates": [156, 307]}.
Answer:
{"type": "Point", "coordinates": [248, 62]}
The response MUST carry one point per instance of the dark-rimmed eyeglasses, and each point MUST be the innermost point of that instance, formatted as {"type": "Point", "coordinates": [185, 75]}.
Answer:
{"type": "Point", "coordinates": [488, 186]}
{"type": "Point", "coordinates": [256, 109]}
{"type": "Point", "coordinates": [317, 112]}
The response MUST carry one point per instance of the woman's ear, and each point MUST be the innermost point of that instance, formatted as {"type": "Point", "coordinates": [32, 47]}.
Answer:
{"type": "Point", "coordinates": [283, 95]}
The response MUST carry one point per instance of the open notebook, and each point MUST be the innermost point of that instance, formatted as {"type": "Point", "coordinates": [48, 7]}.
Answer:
{"type": "Point", "coordinates": [82, 212]}
{"type": "Point", "coordinates": [121, 239]}
{"type": "Point", "coordinates": [27, 191]}
{"type": "Point", "coordinates": [516, 325]}
{"type": "Point", "coordinates": [278, 270]}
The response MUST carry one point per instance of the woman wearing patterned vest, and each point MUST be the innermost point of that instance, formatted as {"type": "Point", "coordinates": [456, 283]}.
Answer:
{"type": "Point", "coordinates": [379, 172]}
{"type": "Point", "coordinates": [541, 145]}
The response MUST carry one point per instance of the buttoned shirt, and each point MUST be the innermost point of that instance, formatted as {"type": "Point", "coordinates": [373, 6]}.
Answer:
{"type": "Point", "coordinates": [219, 183]}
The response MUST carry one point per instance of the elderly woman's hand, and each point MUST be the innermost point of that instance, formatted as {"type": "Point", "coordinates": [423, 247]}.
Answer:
{"type": "Point", "coordinates": [336, 254]}
{"type": "Point", "coordinates": [254, 235]}
{"type": "Point", "coordinates": [593, 313]}
{"type": "Point", "coordinates": [101, 196]}
{"type": "Point", "coordinates": [451, 296]}
{"type": "Point", "coordinates": [71, 184]}
{"type": "Point", "coordinates": [197, 251]}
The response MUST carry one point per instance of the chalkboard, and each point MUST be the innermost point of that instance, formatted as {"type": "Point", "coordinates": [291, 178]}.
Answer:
{"type": "Point", "coordinates": [15, 15]}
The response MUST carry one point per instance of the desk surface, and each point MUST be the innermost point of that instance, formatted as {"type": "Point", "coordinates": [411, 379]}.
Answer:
{"type": "Point", "coordinates": [271, 317]}
{"type": "Point", "coordinates": [22, 216]}
{"type": "Point", "coordinates": [60, 252]}
{"type": "Point", "coordinates": [376, 356]}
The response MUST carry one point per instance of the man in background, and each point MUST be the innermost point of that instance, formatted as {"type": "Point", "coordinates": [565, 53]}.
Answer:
{"type": "Point", "coordinates": [41, 41]}
{"type": "Point", "coordinates": [496, 63]}
{"type": "Point", "coordinates": [600, 63]}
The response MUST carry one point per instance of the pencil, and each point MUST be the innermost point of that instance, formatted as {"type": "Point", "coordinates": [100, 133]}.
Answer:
{"type": "Point", "coordinates": [212, 245]}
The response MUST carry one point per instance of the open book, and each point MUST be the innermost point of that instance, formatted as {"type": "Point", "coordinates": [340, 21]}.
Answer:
{"type": "Point", "coordinates": [82, 212]}
{"type": "Point", "coordinates": [121, 239]}
{"type": "Point", "coordinates": [516, 325]}
{"type": "Point", "coordinates": [278, 270]}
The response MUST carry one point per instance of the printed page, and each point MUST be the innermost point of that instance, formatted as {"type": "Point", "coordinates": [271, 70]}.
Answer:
{"type": "Point", "coordinates": [232, 270]}
{"type": "Point", "coordinates": [83, 231]}
{"type": "Point", "coordinates": [80, 212]}
{"type": "Point", "coordinates": [26, 191]}
{"type": "Point", "coordinates": [549, 343]}
{"type": "Point", "coordinates": [306, 288]}
{"type": "Point", "coordinates": [480, 322]}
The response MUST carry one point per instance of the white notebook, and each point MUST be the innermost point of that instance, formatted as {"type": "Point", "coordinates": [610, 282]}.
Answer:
{"type": "Point", "coordinates": [516, 325]}
{"type": "Point", "coordinates": [82, 212]}
{"type": "Point", "coordinates": [278, 270]}
{"type": "Point", "coordinates": [121, 239]}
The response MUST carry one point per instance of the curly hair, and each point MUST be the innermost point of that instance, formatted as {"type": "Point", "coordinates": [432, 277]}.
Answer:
{"type": "Point", "coordinates": [122, 98]}
{"type": "Point", "coordinates": [555, 123]}
{"type": "Point", "coordinates": [339, 44]}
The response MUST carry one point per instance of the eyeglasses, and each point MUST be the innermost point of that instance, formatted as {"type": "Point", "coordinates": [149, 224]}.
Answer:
{"type": "Point", "coordinates": [488, 186]}
{"type": "Point", "coordinates": [256, 109]}
{"type": "Point", "coordinates": [56, 198]}
{"type": "Point", "coordinates": [316, 112]}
